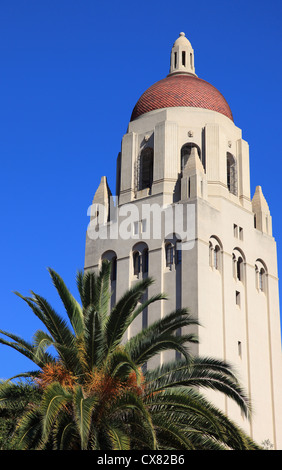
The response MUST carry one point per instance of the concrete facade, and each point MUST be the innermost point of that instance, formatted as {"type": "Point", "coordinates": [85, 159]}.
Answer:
{"type": "Point", "coordinates": [221, 262]}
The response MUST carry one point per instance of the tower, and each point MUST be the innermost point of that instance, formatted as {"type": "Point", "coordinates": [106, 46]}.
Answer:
{"type": "Point", "coordinates": [183, 214]}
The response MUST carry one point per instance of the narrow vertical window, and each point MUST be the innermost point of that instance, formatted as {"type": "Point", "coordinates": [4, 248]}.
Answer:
{"type": "Point", "coordinates": [114, 269]}
{"type": "Point", "coordinates": [183, 58]}
{"type": "Point", "coordinates": [231, 175]}
{"type": "Point", "coordinates": [240, 348]}
{"type": "Point", "coordinates": [216, 254]}
{"type": "Point", "coordinates": [234, 265]}
{"type": "Point", "coordinates": [191, 60]}
{"type": "Point", "coordinates": [175, 60]}
{"type": "Point", "coordinates": [147, 166]}
{"type": "Point", "coordinates": [145, 261]}
{"type": "Point", "coordinates": [136, 263]}
{"type": "Point", "coordinates": [210, 254]}
{"type": "Point", "coordinates": [261, 279]}
{"type": "Point", "coordinates": [240, 269]}
{"type": "Point", "coordinates": [237, 298]}
{"type": "Point", "coordinates": [169, 255]}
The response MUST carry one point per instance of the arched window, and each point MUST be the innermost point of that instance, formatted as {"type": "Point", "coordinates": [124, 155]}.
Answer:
{"type": "Point", "coordinates": [261, 276]}
{"type": "Point", "coordinates": [216, 256]}
{"type": "Point", "coordinates": [210, 254]}
{"type": "Point", "coordinates": [114, 269]}
{"type": "Point", "coordinates": [145, 261]}
{"type": "Point", "coordinates": [231, 173]}
{"type": "Point", "coordinates": [215, 251]}
{"type": "Point", "coordinates": [140, 259]}
{"type": "Point", "coordinates": [240, 268]}
{"type": "Point", "coordinates": [261, 279]}
{"type": "Point", "coordinates": [112, 257]}
{"type": "Point", "coordinates": [238, 260]}
{"type": "Point", "coordinates": [234, 265]}
{"type": "Point", "coordinates": [146, 168]}
{"type": "Point", "coordinates": [168, 255]}
{"type": "Point", "coordinates": [186, 152]}
{"type": "Point", "coordinates": [136, 263]}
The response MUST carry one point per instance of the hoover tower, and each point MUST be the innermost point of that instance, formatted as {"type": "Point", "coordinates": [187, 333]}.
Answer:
{"type": "Point", "coordinates": [183, 214]}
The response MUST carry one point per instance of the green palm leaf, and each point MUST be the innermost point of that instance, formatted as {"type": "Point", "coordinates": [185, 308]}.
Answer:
{"type": "Point", "coordinates": [55, 397]}
{"type": "Point", "coordinates": [121, 315]}
{"type": "Point", "coordinates": [72, 307]}
{"type": "Point", "coordinates": [83, 409]}
{"type": "Point", "coordinates": [119, 439]}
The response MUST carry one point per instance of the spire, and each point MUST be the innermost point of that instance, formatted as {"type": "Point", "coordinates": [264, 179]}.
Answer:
{"type": "Point", "coordinates": [101, 201]}
{"type": "Point", "coordinates": [182, 57]}
{"type": "Point", "coordinates": [193, 163]}
{"type": "Point", "coordinates": [259, 202]}
{"type": "Point", "coordinates": [193, 181]}
{"type": "Point", "coordinates": [261, 212]}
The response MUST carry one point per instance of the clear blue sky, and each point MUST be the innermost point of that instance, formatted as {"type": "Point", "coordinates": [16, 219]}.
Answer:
{"type": "Point", "coordinates": [70, 75]}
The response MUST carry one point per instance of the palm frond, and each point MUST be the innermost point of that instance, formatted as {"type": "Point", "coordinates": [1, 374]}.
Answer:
{"type": "Point", "coordinates": [201, 373]}
{"type": "Point", "coordinates": [94, 337]}
{"type": "Point", "coordinates": [83, 409]}
{"type": "Point", "coordinates": [121, 315]}
{"type": "Point", "coordinates": [55, 397]}
{"type": "Point", "coordinates": [160, 336]}
{"type": "Point", "coordinates": [119, 439]}
{"type": "Point", "coordinates": [72, 307]}
{"type": "Point", "coordinates": [30, 430]}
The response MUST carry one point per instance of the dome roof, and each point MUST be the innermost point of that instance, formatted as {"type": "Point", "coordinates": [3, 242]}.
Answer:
{"type": "Point", "coordinates": [182, 90]}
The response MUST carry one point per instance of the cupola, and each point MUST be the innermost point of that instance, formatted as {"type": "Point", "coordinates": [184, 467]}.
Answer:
{"type": "Point", "coordinates": [182, 56]}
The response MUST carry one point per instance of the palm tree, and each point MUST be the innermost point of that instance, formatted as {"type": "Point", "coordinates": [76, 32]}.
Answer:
{"type": "Point", "coordinates": [96, 392]}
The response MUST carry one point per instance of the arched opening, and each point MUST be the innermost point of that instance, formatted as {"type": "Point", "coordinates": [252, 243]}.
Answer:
{"type": "Point", "coordinates": [231, 174]}
{"type": "Point", "coordinates": [238, 261]}
{"type": "Point", "coordinates": [261, 276]}
{"type": "Point", "coordinates": [240, 269]}
{"type": "Point", "coordinates": [168, 255]}
{"type": "Point", "coordinates": [145, 261]}
{"type": "Point", "coordinates": [146, 168]}
{"type": "Point", "coordinates": [112, 258]}
{"type": "Point", "coordinates": [140, 259]}
{"type": "Point", "coordinates": [114, 269]}
{"type": "Point", "coordinates": [234, 265]}
{"type": "Point", "coordinates": [136, 263]}
{"type": "Point", "coordinates": [216, 257]}
{"type": "Point", "coordinates": [215, 253]}
{"type": "Point", "coordinates": [261, 279]}
{"type": "Point", "coordinates": [186, 152]}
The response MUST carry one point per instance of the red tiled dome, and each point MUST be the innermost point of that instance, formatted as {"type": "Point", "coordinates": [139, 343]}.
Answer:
{"type": "Point", "coordinates": [181, 90]}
